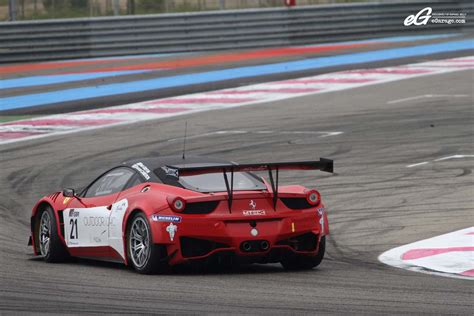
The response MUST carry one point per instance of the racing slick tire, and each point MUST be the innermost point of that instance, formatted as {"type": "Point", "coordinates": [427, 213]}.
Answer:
{"type": "Point", "coordinates": [143, 255]}
{"type": "Point", "coordinates": [49, 245]}
{"type": "Point", "coordinates": [298, 262]}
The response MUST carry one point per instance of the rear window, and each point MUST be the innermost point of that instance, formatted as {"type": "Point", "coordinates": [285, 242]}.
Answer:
{"type": "Point", "coordinates": [214, 182]}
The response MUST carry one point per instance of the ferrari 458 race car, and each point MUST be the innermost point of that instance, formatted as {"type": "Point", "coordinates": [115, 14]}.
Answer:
{"type": "Point", "coordinates": [158, 212]}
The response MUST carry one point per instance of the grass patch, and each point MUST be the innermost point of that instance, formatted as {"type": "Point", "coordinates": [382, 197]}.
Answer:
{"type": "Point", "coordinates": [11, 118]}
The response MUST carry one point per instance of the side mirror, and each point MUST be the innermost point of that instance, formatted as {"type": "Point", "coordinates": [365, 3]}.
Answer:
{"type": "Point", "coordinates": [69, 193]}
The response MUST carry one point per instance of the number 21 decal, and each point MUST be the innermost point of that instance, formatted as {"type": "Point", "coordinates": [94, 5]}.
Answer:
{"type": "Point", "coordinates": [73, 223]}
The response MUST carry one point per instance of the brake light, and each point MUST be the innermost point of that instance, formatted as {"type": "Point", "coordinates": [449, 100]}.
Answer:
{"type": "Point", "coordinates": [177, 204]}
{"type": "Point", "coordinates": [313, 197]}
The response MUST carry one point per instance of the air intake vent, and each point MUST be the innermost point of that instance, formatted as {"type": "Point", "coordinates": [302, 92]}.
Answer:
{"type": "Point", "coordinates": [194, 247]}
{"type": "Point", "coordinates": [296, 203]}
{"type": "Point", "coordinates": [305, 242]}
{"type": "Point", "coordinates": [200, 207]}
{"type": "Point", "coordinates": [61, 222]}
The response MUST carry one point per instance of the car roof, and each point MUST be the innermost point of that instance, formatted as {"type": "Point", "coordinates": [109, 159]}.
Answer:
{"type": "Point", "coordinates": [153, 163]}
{"type": "Point", "coordinates": [152, 170]}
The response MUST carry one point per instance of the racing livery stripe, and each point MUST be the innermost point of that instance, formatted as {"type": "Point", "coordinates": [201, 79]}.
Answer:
{"type": "Point", "coordinates": [221, 99]}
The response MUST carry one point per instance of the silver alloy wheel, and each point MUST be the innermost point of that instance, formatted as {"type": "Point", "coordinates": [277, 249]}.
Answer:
{"type": "Point", "coordinates": [45, 233]}
{"type": "Point", "coordinates": [139, 242]}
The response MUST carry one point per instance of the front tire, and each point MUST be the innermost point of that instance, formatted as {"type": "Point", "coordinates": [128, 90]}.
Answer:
{"type": "Point", "coordinates": [298, 262]}
{"type": "Point", "coordinates": [143, 255]}
{"type": "Point", "coordinates": [49, 244]}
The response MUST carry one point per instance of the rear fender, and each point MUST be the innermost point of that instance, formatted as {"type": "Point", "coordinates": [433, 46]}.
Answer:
{"type": "Point", "coordinates": [147, 206]}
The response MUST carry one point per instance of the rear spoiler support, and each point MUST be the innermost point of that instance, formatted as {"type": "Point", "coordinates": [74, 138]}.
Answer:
{"type": "Point", "coordinates": [323, 164]}
{"type": "Point", "coordinates": [230, 189]}
{"type": "Point", "coordinates": [274, 185]}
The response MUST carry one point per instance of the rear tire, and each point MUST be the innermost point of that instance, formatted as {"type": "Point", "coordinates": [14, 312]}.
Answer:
{"type": "Point", "coordinates": [298, 262]}
{"type": "Point", "coordinates": [48, 242]}
{"type": "Point", "coordinates": [143, 255]}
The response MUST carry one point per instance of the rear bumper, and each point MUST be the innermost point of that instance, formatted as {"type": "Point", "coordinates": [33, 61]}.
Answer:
{"type": "Point", "coordinates": [274, 253]}
{"type": "Point", "coordinates": [253, 240]}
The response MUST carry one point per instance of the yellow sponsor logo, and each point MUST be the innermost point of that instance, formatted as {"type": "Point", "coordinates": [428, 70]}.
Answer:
{"type": "Point", "coordinates": [66, 199]}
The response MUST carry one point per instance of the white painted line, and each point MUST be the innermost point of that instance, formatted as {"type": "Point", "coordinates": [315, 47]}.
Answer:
{"type": "Point", "coordinates": [449, 255]}
{"type": "Point", "coordinates": [455, 157]}
{"type": "Point", "coordinates": [428, 96]}
{"type": "Point", "coordinates": [417, 164]}
{"type": "Point", "coordinates": [233, 132]}
{"type": "Point", "coordinates": [441, 159]}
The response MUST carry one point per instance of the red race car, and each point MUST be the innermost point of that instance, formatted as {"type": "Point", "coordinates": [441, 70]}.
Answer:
{"type": "Point", "coordinates": [159, 212]}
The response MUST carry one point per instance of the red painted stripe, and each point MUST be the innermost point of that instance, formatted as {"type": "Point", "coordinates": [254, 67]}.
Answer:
{"type": "Point", "coordinates": [65, 122]}
{"type": "Point", "coordinates": [201, 100]}
{"type": "Point", "coordinates": [468, 273]}
{"type": "Point", "coordinates": [471, 233]}
{"type": "Point", "coordinates": [138, 110]}
{"type": "Point", "coordinates": [422, 253]}
{"type": "Point", "coordinates": [289, 90]}
{"type": "Point", "coordinates": [181, 62]}
{"type": "Point", "coordinates": [55, 65]}
{"type": "Point", "coordinates": [14, 135]}
{"type": "Point", "coordinates": [234, 57]}
{"type": "Point", "coordinates": [398, 71]}
{"type": "Point", "coordinates": [327, 80]}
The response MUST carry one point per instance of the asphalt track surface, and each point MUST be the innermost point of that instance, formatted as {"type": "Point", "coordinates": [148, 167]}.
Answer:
{"type": "Point", "coordinates": [374, 203]}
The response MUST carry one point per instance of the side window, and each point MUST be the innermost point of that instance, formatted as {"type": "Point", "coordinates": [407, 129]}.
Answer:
{"type": "Point", "coordinates": [111, 182]}
{"type": "Point", "coordinates": [135, 180]}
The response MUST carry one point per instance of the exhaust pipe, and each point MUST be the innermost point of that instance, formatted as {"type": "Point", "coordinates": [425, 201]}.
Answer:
{"type": "Point", "coordinates": [246, 246]}
{"type": "Point", "coordinates": [264, 245]}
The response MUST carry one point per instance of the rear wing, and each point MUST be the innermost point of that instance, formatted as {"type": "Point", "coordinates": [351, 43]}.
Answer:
{"type": "Point", "coordinates": [323, 164]}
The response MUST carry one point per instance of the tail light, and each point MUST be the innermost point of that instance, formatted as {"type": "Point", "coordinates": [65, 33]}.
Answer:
{"type": "Point", "coordinates": [313, 197]}
{"type": "Point", "coordinates": [177, 204]}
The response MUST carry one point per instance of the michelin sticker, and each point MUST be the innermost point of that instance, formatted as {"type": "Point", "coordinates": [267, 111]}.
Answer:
{"type": "Point", "coordinates": [171, 229]}
{"type": "Point", "coordinates": [140, 167]}
{"type": "Point", "coordinates": [166, 218]}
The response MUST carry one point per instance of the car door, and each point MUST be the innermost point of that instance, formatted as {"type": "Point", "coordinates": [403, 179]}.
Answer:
{"type": "Point", "coordinates": [87, 220]}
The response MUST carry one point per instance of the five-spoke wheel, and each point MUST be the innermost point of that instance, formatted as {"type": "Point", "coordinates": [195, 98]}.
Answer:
{"type": "Point", "coordinates": [44, 233]}
{"type": "Point", "coordinates": [47, 239]}
{"type": "Point", "coordinates": [139, 242]}
{"type": "Point", "coordinates": [143, 255]}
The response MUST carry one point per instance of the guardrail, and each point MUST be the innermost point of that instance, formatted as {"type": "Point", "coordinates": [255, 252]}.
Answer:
{"type": "Point", "coordinates": [205, 31]}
